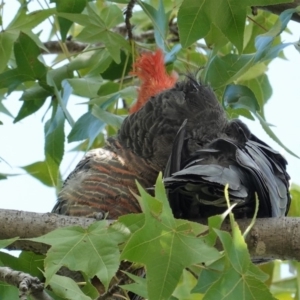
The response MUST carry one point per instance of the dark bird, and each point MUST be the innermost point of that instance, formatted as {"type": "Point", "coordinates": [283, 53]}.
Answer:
{"type": "Point", "coordinates": [223, 152]}
{"type": "Point", "coordinates": [103, 180]}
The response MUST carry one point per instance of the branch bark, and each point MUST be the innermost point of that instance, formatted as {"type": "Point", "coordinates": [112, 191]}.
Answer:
{"type": "Point", "coordinates": [14, 223]}
{"type": "Point", "coordinates": [279, 8]}
{"type": "Point", "coordinates": [274, 238]}
{"type": "Point", "coordinates": [26, 284]}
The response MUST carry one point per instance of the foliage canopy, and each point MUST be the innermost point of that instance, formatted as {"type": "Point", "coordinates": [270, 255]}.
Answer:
{"type": "Point", "coordinates": [227, 47]}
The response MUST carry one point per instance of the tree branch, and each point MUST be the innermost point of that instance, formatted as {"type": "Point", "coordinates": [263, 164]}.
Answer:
{"type": "Point", "coordinates": [29, 224]}
{"type": "Point", "coordinates": [279, 8]}
{"type": "Point", "coordinates": [27, 284]}
{"type": "Point", "coordinates": [276, 238]}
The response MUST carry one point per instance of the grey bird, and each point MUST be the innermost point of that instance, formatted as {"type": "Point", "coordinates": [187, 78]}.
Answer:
{"type": "Point", "coordinates": [224, 152]}
{"type": "Point", "coordinates": [103, 180]}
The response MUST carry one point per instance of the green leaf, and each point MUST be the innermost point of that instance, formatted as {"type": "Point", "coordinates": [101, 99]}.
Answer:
{"type": "Point", "coordinates": [240, 276]}
{"type": "Point", "coordinates": [195, 17]}
{"type": "Point", "coordinates": [97, 30]}
{"type": "Point", "coordinates": [159, 20]}
{"type": "Point", "coordinates": [215, 39]}
{"type": "Point", "coordinates": [170, 245]}
{"type": "Point", "coordinates": [263, 42]}
{"type": "Point", "coordinates": [26, 53]}
{"type": "Point", "coordinates": [54, 135]}
{"type": "Point", "coordinates": [86, 127]}
{"type": "Point", "coordinates": [24, 21]}
{"type": "Point", "coordinates": [4, 110]}
{"type": "Point", "coordinates": [91, 62]}
{"type": "Point", "coordinates": [34, 98]}
{"type": "Point", "coordinates": [214, 222]}
{"type": "Point", "coordinates": [108, 89]}
{"type": "Point", "coordinates": [139, 286]}
{"type": "Point", "coordinates": [107, 117]}
{"type": "Point", "coordinates": [272, 135]}
{"type": "Point", "coordinates": [85, 87]}
{"type": "Point", "coordinates": [68, 6]}
{"type": "Point", "coordinates": [257, 272]}
{"type": "Point", "coordinates": [184, 288]}
{"type": "Point", "coordinates": [11, 79]}
{"type": "Point", "coordinates": [193, 21]}
{"type": "Point", "coordinates": [32, 263]}
{"type": "Point", "coordinates": [226, 69]}
{"type": "Point", "coordinates": [80, 19]}
{"type": "Point", "coordinates": [233, 285]}
{"type": "Point", "coordinates": [229, 18]}
{"type": "Point", "coordinates": [209, 275]}
{"type": "Point", "coordinates": [89, 289]}
{"type": "Point", "coordinates": [238, 96]}
{"type": "Point", "coordinates": [113, 42]}
{"type": "Point", "coordinates": [261, 88]}
{"type": "Point", "coordinates": [44, 171]}
{"type": "Point", "coordinates": [294, 210]}
{"type": "Point", "coordinates": [67, 288]}
{"type": "Point", "coordinates": [3, 176]}
{"type": "Point", "coordinates": [56, 77]}
{"type": "Point", "coordinates": [6, 44]}
{"type": "Point", "coordinates": [254, 72]}
{"type": "Point", "coordinates": [8, 292]}
{"type": "Point", "coordinates": [98, 244]}
{"type": "Point", "coordinates": [29, 68]}
{"type": "Point", "coordinates": [35, 92]}
{"type": "Point", "coordinates": [111, 16]}
{"type": "Point", "coordinates": [6, 242]}
{"type": "Point", "coordinates": [133, 221]}
{"type": "Point", "coordinates": [116, 71]}
{"type": "Point", "coordinates": [235, 249]}
{"type": "Point", "coordinates": [27, 262]}
{"type": "Point", "coordinates": [108, 98]}
{"type": "Point", "coordinates": [62, 96]}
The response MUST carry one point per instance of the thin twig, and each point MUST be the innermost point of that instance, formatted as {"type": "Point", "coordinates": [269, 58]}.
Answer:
{"type": "Point", "coordinates": [27, 284]}
{"type": "Point", "coordinates": [128, 15]}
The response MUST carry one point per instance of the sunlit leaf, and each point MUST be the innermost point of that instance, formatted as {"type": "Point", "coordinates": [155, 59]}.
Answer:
{"type": "Point", "coordinates": [6, 42]}
{"type": "Point", "coordinates": [159, 20]}
{"type": "Point", "coordinates": [68, 6]}
{"type": "Point", "coordinates": [238, 96]}
{"type": "Point", "coordinates": [29, 68]}
{"type": "Point", "coordinates": [294, 210]}
{"type": "Point", "coordinates": [98, 244]}
{"type": "Point", "coordinates": [33, 99]}
{"type": "Point", "coordinates": [170, 245]}
{"type": "Point", "coordinates": [67, 288]}
{"type": "Point", "coordinates": [23, 21]}
{"type": "Point", "coordinates": [139, 286]}
{"type": "Point", "coordinates": [107, 117]}
{"type": "Point", "coordinates": [27, 262]}
{"type": "Point", "coordinates": [86, 127]}
{"type": "Point", "coordinates": [44, 171]}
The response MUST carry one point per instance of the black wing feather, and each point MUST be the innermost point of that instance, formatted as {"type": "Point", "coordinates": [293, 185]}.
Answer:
{"type": "Point", "coordinates": [247, 164]}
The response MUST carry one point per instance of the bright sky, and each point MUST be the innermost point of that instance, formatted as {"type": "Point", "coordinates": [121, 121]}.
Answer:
{"type": "Point", "coordinates": [22, 143]}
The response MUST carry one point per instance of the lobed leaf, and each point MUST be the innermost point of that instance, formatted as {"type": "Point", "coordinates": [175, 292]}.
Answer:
{"type": "Point", "coordinates": [165, 245]}
{"type": "Point", "coordinates": [97, 245]}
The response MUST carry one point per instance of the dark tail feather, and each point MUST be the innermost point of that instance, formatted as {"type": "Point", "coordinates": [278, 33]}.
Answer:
{"type": "Point", "coordinates": [173, 166]}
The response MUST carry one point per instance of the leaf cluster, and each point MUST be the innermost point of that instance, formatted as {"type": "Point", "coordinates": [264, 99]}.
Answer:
{"type": "Point", "coordinates": [222, 42]}
{"type": "Point", "coordinates": [177, 256]}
